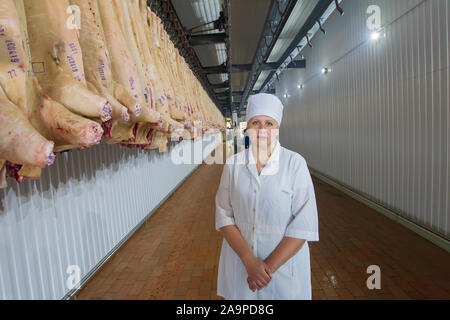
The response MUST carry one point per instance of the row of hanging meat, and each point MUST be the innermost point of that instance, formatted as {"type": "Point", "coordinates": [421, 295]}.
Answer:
{"type": "Point", "coordinates": [74, 73]}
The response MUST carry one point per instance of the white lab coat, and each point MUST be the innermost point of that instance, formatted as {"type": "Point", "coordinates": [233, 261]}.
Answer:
{"type": "Point", "coordinates": [280, 202]}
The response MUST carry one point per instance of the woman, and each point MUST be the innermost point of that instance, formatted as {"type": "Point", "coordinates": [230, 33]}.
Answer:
{"type": "Point", "coordinates": [266, 210]}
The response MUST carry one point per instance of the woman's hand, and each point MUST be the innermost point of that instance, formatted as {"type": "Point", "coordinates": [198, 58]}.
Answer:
{"type": "Point", "coordinates": [252, 285]}
{"type": "Point", "coordinates": [259, 273]}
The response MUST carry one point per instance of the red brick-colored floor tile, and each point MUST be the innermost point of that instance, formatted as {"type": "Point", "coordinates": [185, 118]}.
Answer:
{"type": "Point", "coordinates": [175, 254]}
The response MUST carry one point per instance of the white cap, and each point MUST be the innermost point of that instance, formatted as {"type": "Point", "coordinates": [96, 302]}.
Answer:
{"type": "Point", "coordinates": [264, 104]}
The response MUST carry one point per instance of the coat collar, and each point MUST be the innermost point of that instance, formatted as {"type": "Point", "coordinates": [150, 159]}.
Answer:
{"type": "Point", "coordinates": [272, 164]}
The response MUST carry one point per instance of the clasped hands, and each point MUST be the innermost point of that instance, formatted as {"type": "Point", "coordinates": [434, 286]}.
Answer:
{"type": "Point", "coordinates": [259, 273]}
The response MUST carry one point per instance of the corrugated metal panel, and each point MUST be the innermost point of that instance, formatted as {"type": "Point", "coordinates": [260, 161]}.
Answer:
{"type": "Point", "coordinates": [77, 212]}
{"type": "Point", "coordinates": [379, 122]}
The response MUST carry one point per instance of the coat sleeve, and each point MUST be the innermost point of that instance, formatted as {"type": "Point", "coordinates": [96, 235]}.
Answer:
{"type": "Point", "coordinates": [304, 224]}
{"type": "Point", "coordinates": [224, 211]}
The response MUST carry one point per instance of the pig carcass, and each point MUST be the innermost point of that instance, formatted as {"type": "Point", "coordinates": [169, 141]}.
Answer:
{"type": "Point", "coordinates": [20, 143]}
{"type": "Point", "coordinates": [152, 73]}
{"type": "Point", "coordinates": [51, 119]}
{"type": "Point", "coordinates": [96, 60]}
{"type": "Point", "coordinates": [57, 59]}
{"type": "Point", "coordinates": [126, 69]}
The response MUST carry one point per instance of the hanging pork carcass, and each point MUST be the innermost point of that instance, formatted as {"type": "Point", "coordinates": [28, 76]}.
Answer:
{"type": "Point", "coordinates": [100, 76]}
{"type": "Point", "coordinates": [20, 143]}
{"type": "Point", "coordinates": [164, 91]}
{"type": "Point", "coordinates": [161, 57]}
{"type": "Point", "coordinates": [151, 71]}
{"type": "Point", "coordinates": [51, 119]}
{"type": "Point", "coordinates": [57, 59]}
{"type": "Point", "coordinates": [96, 60]}
{"type": "Point", "coordinates": [127, 69]}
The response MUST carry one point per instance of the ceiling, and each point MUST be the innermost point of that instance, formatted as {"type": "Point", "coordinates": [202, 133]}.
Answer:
{"type": "Point", "coordinates": [194, 13]}
{"type": "Point", "coordinates": [298, 17]}
{"type": "Point", "coordinates": [247, 22]}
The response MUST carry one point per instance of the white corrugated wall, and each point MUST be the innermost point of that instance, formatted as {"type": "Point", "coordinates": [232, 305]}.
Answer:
{"type": "Point", "coordinates": [379, 123]}
{"type": "Point", "coordinates": [80, 209]}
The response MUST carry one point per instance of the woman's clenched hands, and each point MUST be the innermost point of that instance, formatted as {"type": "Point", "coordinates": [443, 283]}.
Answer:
{"type": "Point", "coordinates": [259, 273]}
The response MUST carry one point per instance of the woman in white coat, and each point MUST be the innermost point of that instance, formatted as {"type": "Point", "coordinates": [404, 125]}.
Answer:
{"type": "Point", "coordinates": [266, 210]}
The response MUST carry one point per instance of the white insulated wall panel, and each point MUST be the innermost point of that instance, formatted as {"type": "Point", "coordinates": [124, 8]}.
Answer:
{"type": "Point", "coordinates": [379, 122]}
{"type": "Point", "coordinates": [80, 209]}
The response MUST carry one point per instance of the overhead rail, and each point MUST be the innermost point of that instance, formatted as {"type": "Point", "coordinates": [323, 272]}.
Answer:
{"type": "Point", "coordinates": [297, 64]}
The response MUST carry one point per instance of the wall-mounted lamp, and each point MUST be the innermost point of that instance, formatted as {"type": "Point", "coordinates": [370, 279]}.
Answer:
{"type": "Point", "coordinates": [326, 70]}
{"type": "Point", "coordinates": [375, 36]}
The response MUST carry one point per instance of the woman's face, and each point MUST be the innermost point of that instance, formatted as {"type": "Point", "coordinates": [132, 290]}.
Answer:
{"type": "Point", "coordinates": [263, 131]}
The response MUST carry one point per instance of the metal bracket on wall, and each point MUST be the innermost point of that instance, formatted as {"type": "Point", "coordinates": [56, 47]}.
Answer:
{"type": "Point", "coordinates": [338, 7]}
{"type": "Point", "coordinates": [320, 27]}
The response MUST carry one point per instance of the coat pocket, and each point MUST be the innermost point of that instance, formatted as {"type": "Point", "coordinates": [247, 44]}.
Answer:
{"type": "Point", "coordinates": [287, 269]}
{"type": "Point", "coordinates": [283, 282]}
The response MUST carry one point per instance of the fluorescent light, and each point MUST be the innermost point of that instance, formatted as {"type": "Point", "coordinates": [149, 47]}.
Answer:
{"type": "Point", "coordinates": [325, 70]}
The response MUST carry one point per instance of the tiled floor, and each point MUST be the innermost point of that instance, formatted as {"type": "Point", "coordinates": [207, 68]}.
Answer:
{"type": "Point", "coordinates": [175, 255]}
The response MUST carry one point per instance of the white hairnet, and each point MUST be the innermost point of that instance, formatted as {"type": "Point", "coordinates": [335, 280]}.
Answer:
{"type": "Point", "coordinates": [264, 104]}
